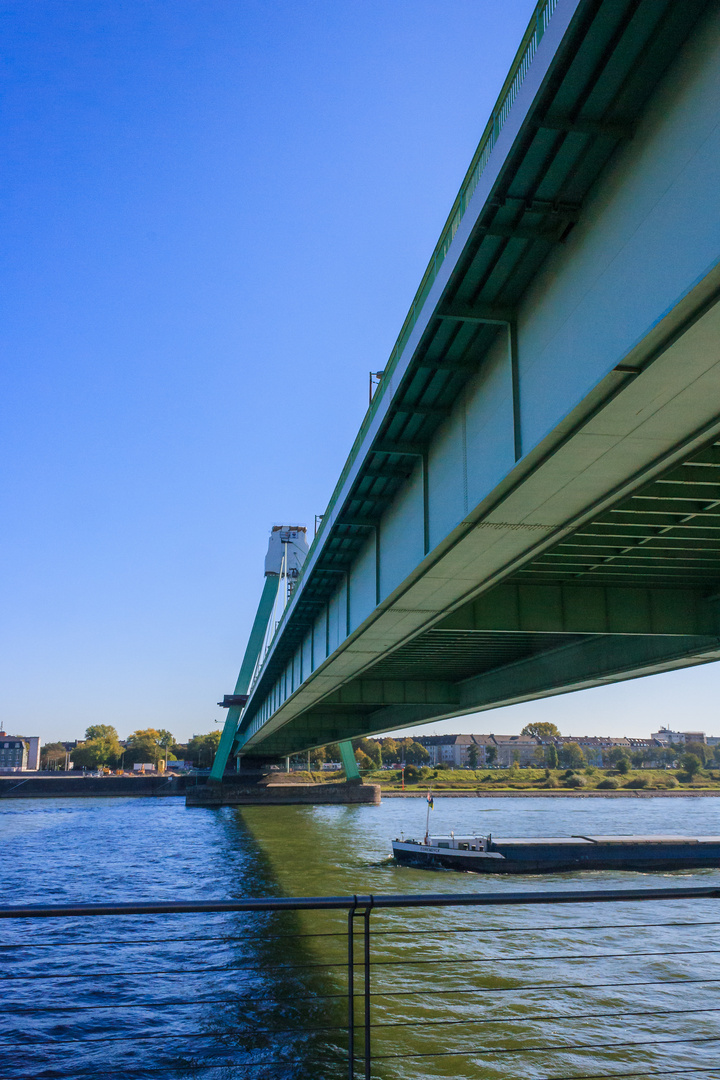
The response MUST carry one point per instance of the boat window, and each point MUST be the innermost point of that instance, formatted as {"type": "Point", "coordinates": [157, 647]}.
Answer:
{"type": "Point", "coordinates": [464, 847]}
{"type": "Point", "coordinates": [443, 843]}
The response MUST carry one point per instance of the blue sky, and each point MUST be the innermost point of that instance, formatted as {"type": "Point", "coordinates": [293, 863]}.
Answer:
{"type": "Point", "coordinates": [215, 215]}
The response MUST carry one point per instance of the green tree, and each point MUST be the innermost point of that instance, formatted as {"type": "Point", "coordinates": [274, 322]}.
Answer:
{"type": "Point", "coordinates": [371, 748]}
{"type": "Point", "coordinates": [622, 764]}
{"type": "Point", "coordinates": [101, 747]}
{"type": "Point", "coordinates": [552, 756]}
{"type": "Point", "coordinates": [390, 750]}
{"type": "Point", "coordinates": [411, 752]}
{"type": "Point", "coordinates": [317, 756]}
{"type": "Point", "coordinates": [700, 750]}
{"type": "Point", "coordinates": [166, 741]}
{"type": "Point", "coordinates": [93, 753]}
{"type": "Point", "coordinates": [364, 762]}
{"type": "Point", "coordinates": [52, 756]}
{"type": "Point", "coordinates": [101, 731]}
{"type": "Point", "coordinates": [490, 754]}
{"type": "Point", "coordinates": [473, 756]}
{"type": "Point", "coordinates": [416, 753]}
{"type": "Point", "coordinates": [541, 729]}
{"type": "Point", "coordinates": [202, 748]}
{"type": "Point", "coordinates": [143, 746]}
{"type": "Point", "coordinates": [571, 756]}
{"type": "Point", "coordinates": [691, 763]}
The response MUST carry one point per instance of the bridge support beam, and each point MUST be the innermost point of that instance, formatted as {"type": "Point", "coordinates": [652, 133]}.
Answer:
{"type": "Point", "coordinates": [593, 662]}
{"type": "Point", "coordinates": [587, 609]}
{"type": "Point", "coordinates": [347, 755]}
{"type": "Point", "coordinates": [252, 652]}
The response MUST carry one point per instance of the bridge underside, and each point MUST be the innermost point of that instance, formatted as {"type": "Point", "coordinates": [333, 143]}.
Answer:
{"type": "Point", "coordinates": [532, 505]}
{"type": "Point", "coordinates": [634, 592]}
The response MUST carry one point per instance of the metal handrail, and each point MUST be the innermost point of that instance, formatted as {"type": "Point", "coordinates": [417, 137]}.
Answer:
{"type": "Point", "coordinates": [366, 978]}
{"type": "Point", "coordinates": [369, 901]}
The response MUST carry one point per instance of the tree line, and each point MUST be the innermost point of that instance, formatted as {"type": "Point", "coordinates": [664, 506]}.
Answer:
{"type": "Point", "coordinates": [691, 756]}
{"type": "Point", "coordinates": [102, 748]}
{"type": "Point", "coordinates": [370, 753]}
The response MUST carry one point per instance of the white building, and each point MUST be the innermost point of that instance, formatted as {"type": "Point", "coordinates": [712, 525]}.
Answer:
{"type": "Point", "coordinates": [454, 750]}
{"type": "Point", "coordinates": [680, 738]}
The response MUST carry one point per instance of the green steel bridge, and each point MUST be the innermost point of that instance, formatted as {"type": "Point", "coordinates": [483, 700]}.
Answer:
{"type": "Point", "coordinates": [532, 503]}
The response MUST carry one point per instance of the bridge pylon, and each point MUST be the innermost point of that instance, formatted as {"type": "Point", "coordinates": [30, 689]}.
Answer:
{"type": "Point", "coordinates": [287, 549]}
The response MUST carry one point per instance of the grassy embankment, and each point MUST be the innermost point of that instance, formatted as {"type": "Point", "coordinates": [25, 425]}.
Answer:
{"type": "Point", "coordinates": [490, 780]}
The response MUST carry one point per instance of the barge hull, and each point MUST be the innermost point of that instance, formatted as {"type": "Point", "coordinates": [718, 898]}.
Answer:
{"type": "Point", "coordinates": [548, 856]}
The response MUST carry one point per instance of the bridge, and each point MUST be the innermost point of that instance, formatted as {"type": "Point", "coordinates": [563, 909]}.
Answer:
{"type": "Point", "coordinates": [532, 503]}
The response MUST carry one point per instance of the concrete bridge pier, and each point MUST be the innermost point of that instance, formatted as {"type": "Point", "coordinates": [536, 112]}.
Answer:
{"type": "Point", "coordinates": [279, 789]}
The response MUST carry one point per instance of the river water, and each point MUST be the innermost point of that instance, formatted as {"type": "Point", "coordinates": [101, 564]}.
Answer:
{"type": "Point", "coordinates": [507, 993]}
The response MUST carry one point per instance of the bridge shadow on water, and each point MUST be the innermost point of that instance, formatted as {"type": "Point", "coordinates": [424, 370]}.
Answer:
{"type": "Point", "coordinates": [211, 995]}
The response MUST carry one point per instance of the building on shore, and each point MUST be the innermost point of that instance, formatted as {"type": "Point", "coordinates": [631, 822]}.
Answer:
{"type": "Point", "coordinates": [597, 747]}
{"type": "Point", "coordinates": [19, 753]}
{"type": "Point", "coordinates": [33, 745]}
{"type": "Point", "coordinates": [457, 750]}
{"type": "Point", "coordinates": [523, 749]}
{"type": "Point", "coordinates": [453, 750]}
{"type": "Point", "coordinates": [504, 750]}
{"type": "Point", "coordinates": [13, 754]}
{"type": "Point", "coordinates": [681, 738]}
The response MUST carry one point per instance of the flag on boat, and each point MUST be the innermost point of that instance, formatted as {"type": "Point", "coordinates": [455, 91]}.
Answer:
{"type": "Point", "coordinates": [430, 800]}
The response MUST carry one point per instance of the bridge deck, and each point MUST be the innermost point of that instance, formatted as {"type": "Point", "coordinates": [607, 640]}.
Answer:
{"type": "Point", "coordinates": [532, 503]}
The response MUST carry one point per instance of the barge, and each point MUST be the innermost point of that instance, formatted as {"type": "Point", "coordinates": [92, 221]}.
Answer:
{"type": "Point", "coordinates": [544, 855]}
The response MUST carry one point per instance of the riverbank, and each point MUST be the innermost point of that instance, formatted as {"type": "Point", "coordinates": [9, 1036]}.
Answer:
{"type": "Point", "coordinates": [535, 782]}
{"type": "Point", "coordinates": [248, 789]}
{"type": "Point", "coordinates": [302, 787]}
{"type": "Point", "coordinates": [67, 786]}
{"type": "Point", "coordinates": [556, 793]}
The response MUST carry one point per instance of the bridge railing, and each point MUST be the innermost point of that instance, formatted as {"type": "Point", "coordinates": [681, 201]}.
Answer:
{"type": "Point", "coordinates": [552, 985]}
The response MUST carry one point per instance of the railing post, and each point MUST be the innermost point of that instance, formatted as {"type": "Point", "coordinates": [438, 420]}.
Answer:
{"type": "Point", "coordinates": [363, 907]}
{"type": "Point", "coordinates": [368, 1051]}
{"type": "Point", "coordinates": [351, 991]}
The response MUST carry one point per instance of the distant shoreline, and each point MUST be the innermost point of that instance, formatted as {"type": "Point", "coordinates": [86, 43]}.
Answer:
{"type": "Point", "coordinates": [621, 794]}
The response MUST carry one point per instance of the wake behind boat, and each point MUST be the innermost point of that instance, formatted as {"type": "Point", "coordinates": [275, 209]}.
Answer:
{"type": "Point", "coordinates": [542, 855]}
